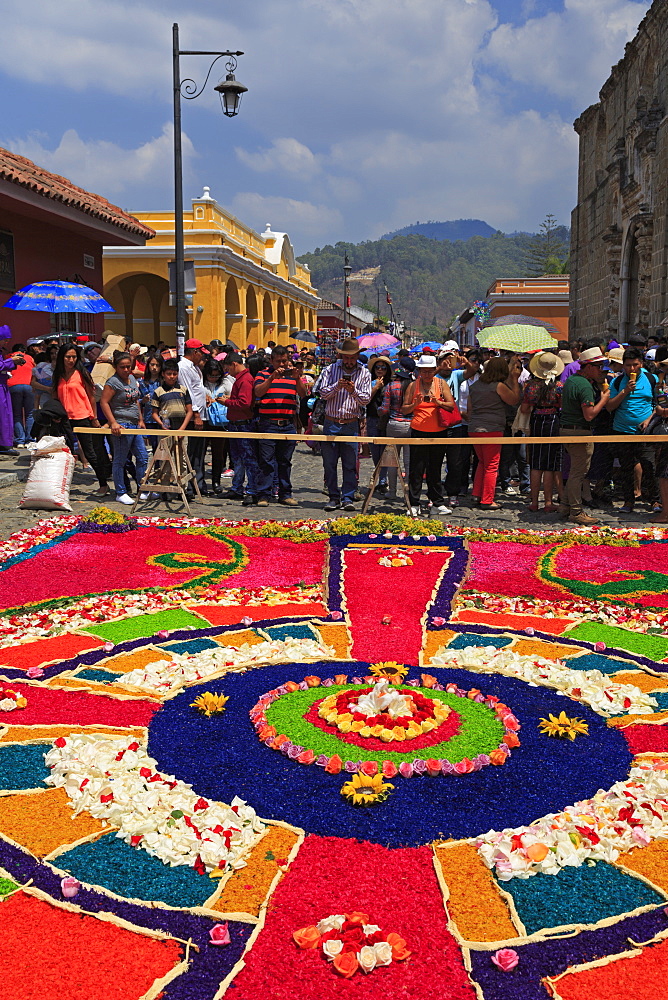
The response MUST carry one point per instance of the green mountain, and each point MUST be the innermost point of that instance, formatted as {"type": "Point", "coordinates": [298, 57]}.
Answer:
{"type": "Point", "coordinates": [429, 280]}
{"type": "Point", "coordinates": [459, 229]}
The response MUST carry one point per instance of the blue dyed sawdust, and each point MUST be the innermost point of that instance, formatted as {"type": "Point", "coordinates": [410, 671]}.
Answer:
{"type": "Point", "coordinates": [578, 896]}
{"type": "Point", "coordinates": [191, 646]}
{"type": "Point", "coordinates": [23, 766]}
{"type": "Point", "coordinates": [597, 661]}
{"type": "Point", "coordinates": [661, 697]}
{"type": "Point", "coordinates": [133, 873]}
{"type": "Point", "coordinates": [144, 626]}
{"type": "Point", "coordinates": [473, 639]}
{"type": "Point", "coordinates": [103, 676]}
{"type": "Point", "coordinates": [282, 632]}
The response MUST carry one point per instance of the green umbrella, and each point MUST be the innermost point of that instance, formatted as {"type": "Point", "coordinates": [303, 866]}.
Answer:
{"type": "Point", "coordinates": [517, 337]}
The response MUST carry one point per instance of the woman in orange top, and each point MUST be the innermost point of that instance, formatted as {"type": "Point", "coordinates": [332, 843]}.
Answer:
{"type": "Point", "coordinates": [423, 400]}
{"type": "Point", "coordinates": [74, 388]}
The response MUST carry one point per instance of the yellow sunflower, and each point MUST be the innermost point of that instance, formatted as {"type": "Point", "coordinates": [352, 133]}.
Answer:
{"type": "Point", "coordinates": [562, 726]}
{"type": "Point", "coordinates": [364, 791]}
{"type": "Point", "coordinates": [394, 672]}
{"type": "Point", "coordinates": [209, 703]}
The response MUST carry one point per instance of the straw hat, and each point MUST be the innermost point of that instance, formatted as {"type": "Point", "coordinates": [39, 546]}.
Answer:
{"type": "Point", "coordinates": [546, 365]}
{"type": "Point", "coordinates": [349, 346]}
{"type": "Point", "coordinates": [566, 357]}
{"type": "Point", "coordinates": [616, 354]}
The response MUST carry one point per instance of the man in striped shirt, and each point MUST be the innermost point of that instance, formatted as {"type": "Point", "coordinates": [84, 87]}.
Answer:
{"type": "Point", "coordinates": [346, 388]}
{"type": "Point", "coordinates": [277, 391]}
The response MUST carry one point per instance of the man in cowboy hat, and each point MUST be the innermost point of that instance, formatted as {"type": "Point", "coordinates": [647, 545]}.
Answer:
{"type": "Point", "coordinates": [578, 410]}
{"type": "Point", "coordinates": [346, 388]}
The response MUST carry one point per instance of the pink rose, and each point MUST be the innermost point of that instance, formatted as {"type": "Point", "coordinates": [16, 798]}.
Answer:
{"type": "Point", "coordinates": [220, 934]}
{"type": "Point", "coordinates": [336, 615]}
{"type": "Point", "coordinates": [431, 538]}
{"type": "Point", "coordinates": [505, 959]}
{"type": "Point", "coordinates": [530, 631]}
{"type": "Point", "coordinates": [69, 886]}
{"type": "Point", "coordinates": [163, 634]}
{"type": "Point", "coordinates": [108, 646]}
{"type": "Point", "coordinates": [406, 769]}
{"type": "Point", "coordinates": [599, 647]}
{"type": "Point", "coordinates": [438, 622]}
{"type": "Point", "coordinates": [246, 620]}
{"type": "Point", "coordinates": [34, 672]}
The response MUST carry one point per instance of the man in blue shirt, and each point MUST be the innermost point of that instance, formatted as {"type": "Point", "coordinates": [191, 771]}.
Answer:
{"type": "Point", "coordinates": [632, 402]}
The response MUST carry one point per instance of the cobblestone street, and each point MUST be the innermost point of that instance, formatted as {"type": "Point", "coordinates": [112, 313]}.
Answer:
{"type": "Point", "coordinates": [307, 482]}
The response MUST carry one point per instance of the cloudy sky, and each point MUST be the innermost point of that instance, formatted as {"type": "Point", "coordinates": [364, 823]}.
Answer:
{"type": "Point", "coordinates": [361, 115]}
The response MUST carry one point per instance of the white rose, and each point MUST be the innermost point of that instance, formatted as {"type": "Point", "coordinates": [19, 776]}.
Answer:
{"type": "Point", "coordinates": [332, 923]}
{"type": "Point", "coordinates": [370, 929]}
{"type": "Point", "coordinates": [367, 958]}
{"type": "Point", "coordinates": [383, 952]}
{"type": "Point", "coordinates": [332, 948]}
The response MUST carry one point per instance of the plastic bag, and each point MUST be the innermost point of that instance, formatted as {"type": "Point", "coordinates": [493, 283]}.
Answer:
{"type": "Point", "coordinates": [50, 476]}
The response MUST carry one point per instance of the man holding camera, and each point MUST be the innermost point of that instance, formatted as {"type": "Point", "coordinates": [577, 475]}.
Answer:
{"type": "Point", "coordinates": [346, 389]}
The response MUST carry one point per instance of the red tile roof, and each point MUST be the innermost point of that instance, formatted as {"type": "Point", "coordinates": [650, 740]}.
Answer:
{"type": "Point", "coordinates": [27, 174]}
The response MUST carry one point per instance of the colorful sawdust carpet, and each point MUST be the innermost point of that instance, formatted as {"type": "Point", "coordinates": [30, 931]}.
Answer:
{"type": "Point", "coordinates": [332, 759]}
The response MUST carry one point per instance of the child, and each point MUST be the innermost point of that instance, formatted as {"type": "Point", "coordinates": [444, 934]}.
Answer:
{"type": "Point", "coordinates": [171, 404]}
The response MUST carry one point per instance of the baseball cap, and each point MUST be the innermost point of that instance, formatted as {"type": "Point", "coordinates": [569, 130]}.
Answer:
{"type": "Point", "coordinates": [193, 344]}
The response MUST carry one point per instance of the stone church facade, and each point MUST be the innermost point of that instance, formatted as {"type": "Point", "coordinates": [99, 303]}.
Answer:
{"type": "Point", "coordinates": [619, 236]}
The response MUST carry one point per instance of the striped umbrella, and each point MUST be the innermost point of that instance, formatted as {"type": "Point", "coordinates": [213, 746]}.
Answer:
{"type": "Point", "coordinates": [520, 338]}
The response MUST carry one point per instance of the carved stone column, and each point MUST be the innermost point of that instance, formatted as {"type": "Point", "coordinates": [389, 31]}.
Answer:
{"type": "Point", "coordinates": [613, 250]}
{"type": "Point", "coordinates": [644, 243]}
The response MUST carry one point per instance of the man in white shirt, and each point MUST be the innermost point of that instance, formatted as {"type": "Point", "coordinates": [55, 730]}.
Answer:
{"type": "Point", "coordinates": [190, 378]}
{"type": "Point", "coordinates": [346, 388]}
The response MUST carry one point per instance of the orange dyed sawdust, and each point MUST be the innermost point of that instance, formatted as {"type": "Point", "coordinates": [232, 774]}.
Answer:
{"type": "Point", "coordinates": [337, 637]}
{"type": "Point", "coordinates": [245, 638]}
{"type": "Point", "coordinates": [642, 978]}
{"type": "Point", "coordinates": [555, 626]}
{"type": "Point", "coordinates": [475, 905]}
{"type": "Point", "coordinates": [650, 861]}
{"type": "Point", "coordinates": [646, 682]}
{"type": "Point", "coordinates": [247, 889]}
{"type": "Point", "coordinates": [43, 821]}
{"type": "Point", "coordinates": [548, 650]}
{"type": "Point", "coordinates": [125, 662]}
{"type": "Point", "coordinates": [433, 642]}
{"type": "Point", "coordinates": [42, 651]}
{"type": "Point", "coordinates": [24, 734]}
{"type": "Point", "coordinates": [622, 721]}
{"type": "Point", "coordinates": [95, 688]}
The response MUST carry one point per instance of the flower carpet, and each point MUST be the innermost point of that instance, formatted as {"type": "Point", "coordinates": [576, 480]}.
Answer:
{"type": "Point", "coordinates": [357, 758]}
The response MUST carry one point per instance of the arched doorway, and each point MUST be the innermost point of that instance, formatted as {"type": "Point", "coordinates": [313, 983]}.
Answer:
{"type": "Point", "coordinates": [630, 288]}
{"type": "Point", "coordinates": [268, 321]}
{"type": "Point", "coordinates": [233, 316]}
{"type": "Point", "coordinates": [253, 328]}
{"type": "Point", "coordinates": [293, 317]}
{"type": "Point", "coordinates": [282, 325]}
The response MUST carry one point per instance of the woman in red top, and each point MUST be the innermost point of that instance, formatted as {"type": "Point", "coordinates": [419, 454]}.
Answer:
{"type": "Point", "coordinates": [23, 399]}
{"type": "Point", "coordinates": [74, 388]}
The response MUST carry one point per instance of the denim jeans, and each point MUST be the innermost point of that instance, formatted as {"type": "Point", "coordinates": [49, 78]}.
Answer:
{"type": "Point", "coordinates": [275, 460]}
{"type": "Point", "coordinates": [23, 402]}
{"type": "Point", "coordinates": [332, 451]}
{"type": "Point", "coordinates": [124, 446]}
{"type": "Point", "coordinates": [376, 449]}
{"type": "Point", "coordinates": [244, 458]}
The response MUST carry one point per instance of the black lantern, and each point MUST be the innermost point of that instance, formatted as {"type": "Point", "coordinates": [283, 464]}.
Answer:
{"type": "Point", "coordinates": [231, 92]}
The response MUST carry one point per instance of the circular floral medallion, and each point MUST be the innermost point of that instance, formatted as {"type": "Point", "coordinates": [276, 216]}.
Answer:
{"type": "Point", "coordinates": [439, 730]}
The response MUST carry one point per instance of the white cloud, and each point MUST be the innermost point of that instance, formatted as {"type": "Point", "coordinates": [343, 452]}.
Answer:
{"type": "Point", "coordinates": [104, 166]}
{"type": "Point", "coordinates": [302, 218]}
{"type": "Point", "coordinates": [570, 52]}
{"type": "Point", "coordinates": [287, 155]}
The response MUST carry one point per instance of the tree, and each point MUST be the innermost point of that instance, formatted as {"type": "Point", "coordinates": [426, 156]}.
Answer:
{"type": "Point", "coordinates": [546, 252]}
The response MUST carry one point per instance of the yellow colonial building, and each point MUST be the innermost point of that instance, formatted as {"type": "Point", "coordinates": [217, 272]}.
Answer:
{"type": "Point", "coordinates": [248, 286]}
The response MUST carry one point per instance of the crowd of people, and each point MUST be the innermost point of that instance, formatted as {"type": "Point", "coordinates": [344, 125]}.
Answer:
{"type": "Point", "coordinates": [579, 389]}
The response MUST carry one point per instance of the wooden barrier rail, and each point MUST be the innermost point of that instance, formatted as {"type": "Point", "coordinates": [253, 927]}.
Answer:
{"type": "Point", "coordinates": [257, 436]}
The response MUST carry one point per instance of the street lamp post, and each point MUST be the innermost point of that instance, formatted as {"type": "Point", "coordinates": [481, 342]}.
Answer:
{"type": "Point", "coordinates": [346, 275]}
{"type": "Point", "coordinates": [230, 91]}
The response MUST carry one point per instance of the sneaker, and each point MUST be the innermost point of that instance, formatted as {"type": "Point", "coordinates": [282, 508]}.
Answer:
{"type": "Point", "coordinates": [263, 503]}
{"type": "Point", "coordinates": [510, 491]}
{"type": "Point", "coordinates": [415, 511]}
{"type": "Point", "coordinates": [288, 501]}
{"type": "Point", "coordinates": [228, 473]}
{"type": "Point", "coordinates": [333, 505]}
{"type": "Point", "coordinates": [348, 505]}
{"type": "Point", "coordinates": [453, 501]}
{"type": "Point", "coordinates": [144, 496]}
{"type": "Point", "coordinates": [124, 498]}
{"type": "Point", "coordinates": [233, 495]}
{"type": "Point", "coordinates": [582, 518]}
{"type": "Point", "coordinates": [442, 509]}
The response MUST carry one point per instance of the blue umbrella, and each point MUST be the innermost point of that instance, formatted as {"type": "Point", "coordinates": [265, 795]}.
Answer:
{"type": "Point", "coordinates": [433, 345]}
{"type": "Point", "coordinates": [58, 297]}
